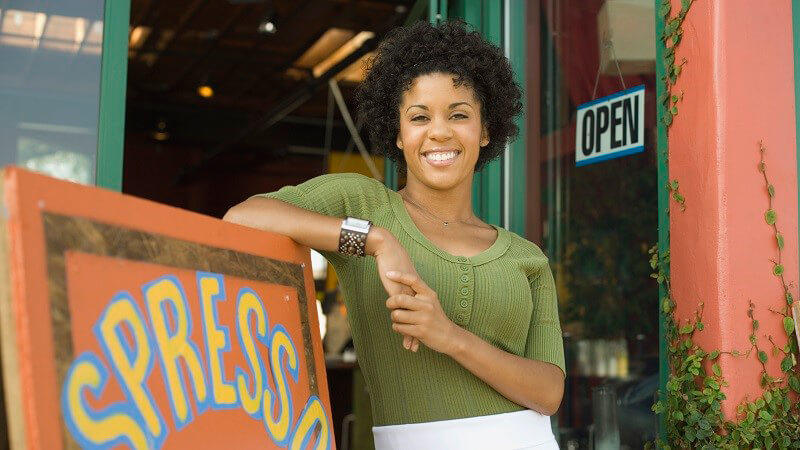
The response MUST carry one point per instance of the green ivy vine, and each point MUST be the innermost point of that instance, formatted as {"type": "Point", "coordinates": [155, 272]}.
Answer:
{"type": "Point", "coordinates": [692, 409]}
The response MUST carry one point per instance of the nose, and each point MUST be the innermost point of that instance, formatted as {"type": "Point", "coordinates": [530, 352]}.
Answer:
{"type": "Point", "coordinates": [440, 130]}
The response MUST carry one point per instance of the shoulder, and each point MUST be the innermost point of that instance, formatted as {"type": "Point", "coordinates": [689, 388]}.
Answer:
{"type": "Point", "coordinates": [356, 181]}
{"type": "Point", "coordinates": [531, 258]}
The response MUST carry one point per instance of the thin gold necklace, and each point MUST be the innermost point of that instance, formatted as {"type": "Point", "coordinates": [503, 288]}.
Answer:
{"type": "Point", "coordinates": [430, 214]}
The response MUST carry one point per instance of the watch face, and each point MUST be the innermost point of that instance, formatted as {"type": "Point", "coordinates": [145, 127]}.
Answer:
{"type": "Point", "coordinates": [357, 223]}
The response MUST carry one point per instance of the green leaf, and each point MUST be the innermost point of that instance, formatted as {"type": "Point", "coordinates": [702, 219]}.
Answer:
{"type": "Point", "coordinates": [764, 415]}
{"type": "Point", "coordinates": [794, 383]}
{"type": "Point", "coordinates": [762, 356]}
{"type": "Point", "coordinates": [771, 190]}
{"type": "Point", "coordinates": [674, 110]}
{"type": "Point", "coordinates": [761, 166]}
{"type": "Point", "coordinates": [714, 355]}
{"type": "Point", "coordinates": [686, 329]}
{"type": "Point", "coordinates": [779, 238]}
{"type": "Point", "coordinates": [768, 397]}
{"type": "Point", "coordinates": [787, 363]}
{"type": "Point", "coordinates": [755, 325]}
{"type": "Point", "coordinates": [664, 10]}
{"type": "Point", "coordinates": [678, 70]}
{"type": "Point", "coordinates": [700, 326]}
{"type": "Point", "coordinates": [789, 298]}
{"type": "Point", "coordinates": [678, 415]}
{"type": "Point", "coordinates": [675, 99]}
{"type": "Point", "coordinates": [771, 216]}
{"type": "Point", "coordinates": [715, 368]}
{"type": "Point", "coordinates": [667, 118]}
{"type": "Point", "coordinates": [778, 269]}
{"type": "Point", "coordinates": [673, 185]}
{"type": "Point", "coordinates": [788, 325]}
{"type": "Point", "coordinates": [685, 5]}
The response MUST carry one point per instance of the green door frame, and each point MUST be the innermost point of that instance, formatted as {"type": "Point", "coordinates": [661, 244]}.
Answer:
{"type": "Point", "coordinates": [663, 214]}
{"type": "Point", "coordinates": [113, 84]}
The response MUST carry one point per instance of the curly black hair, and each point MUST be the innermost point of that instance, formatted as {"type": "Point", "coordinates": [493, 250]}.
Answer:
{"type": "Point", "coordinates": [451, 48]}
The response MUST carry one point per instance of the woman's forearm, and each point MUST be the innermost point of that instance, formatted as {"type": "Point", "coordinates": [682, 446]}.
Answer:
{"type": "Point", "coordinates": [305, 227]}
{"type": "Point", "coordinates": [536, 385]}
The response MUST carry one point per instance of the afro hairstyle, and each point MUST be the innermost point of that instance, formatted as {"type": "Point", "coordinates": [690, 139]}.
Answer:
{"type": "Point", "coordinates": [451, 48]}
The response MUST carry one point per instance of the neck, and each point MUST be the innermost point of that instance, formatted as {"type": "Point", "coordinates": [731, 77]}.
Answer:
{"type": "Point", "coordinates": [452, 205]}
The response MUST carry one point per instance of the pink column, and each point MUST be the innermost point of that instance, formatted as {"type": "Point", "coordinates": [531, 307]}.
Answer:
{"type": "Point", "coordinates": [739, 88]}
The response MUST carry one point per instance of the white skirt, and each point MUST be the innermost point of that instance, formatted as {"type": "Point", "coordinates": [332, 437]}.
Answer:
{"type": "Point", "coordinates": [509, 431]}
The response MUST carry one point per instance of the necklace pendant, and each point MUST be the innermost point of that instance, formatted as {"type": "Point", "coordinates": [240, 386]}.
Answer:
{"type": "Point", "coordinates": [446, 223]}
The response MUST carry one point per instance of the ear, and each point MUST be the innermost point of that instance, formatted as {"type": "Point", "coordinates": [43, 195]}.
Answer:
{"type": "Point", "coordinates": [399, 142]}
{"type": "Point", "coordinates": [484, 137]}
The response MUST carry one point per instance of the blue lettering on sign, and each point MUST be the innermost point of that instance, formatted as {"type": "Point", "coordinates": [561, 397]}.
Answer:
{"type": "Point", "coordinates": [131, 345]}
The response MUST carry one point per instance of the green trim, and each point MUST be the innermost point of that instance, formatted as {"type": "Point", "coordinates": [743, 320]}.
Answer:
{"type": "Point", "coordinates": [663, 214]}
{"type": "Point", "coordinates": [113, 83]}
{"type": "Point", "coordinates": [437, 7]}
{"type": "Point", "coordinates": [492, 173]}
{"type": "Point", "coordinates": [519, 163]}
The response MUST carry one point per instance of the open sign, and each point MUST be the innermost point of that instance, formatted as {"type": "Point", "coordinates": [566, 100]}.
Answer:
{"type": "Point", "coordinates": [610, 127]}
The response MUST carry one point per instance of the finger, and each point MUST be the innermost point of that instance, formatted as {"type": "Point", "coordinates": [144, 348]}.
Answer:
{"type": "Point", "coordinates": [404, 301]}
{"type": "Point", "coordinates": [411, 280]}
{"type": "Point", "coordinates": [409, 342]}
{"type": "Point", "coordinates": [405, 316]}
{"type": "Point", "coordinates": [415, 345]}
{"type": "Point", "coordinates": [406, 329]}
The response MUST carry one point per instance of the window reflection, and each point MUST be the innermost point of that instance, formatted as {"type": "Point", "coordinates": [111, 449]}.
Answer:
{"type": "Point", "coordinates": [50, 86]}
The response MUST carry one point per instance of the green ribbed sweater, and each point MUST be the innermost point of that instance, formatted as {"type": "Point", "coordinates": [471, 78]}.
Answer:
{"type": "Point", "coordinates": [505, 295]}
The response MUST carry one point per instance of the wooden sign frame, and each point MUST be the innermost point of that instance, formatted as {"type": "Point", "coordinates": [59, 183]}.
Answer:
{"type": "Point", "coordinates": [45, 222]}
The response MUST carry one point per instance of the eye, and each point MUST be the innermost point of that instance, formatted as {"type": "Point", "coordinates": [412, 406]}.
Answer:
{"type": "Point", "coordinates": [418, 118]}
{"type": "Point", "coordinates": [459, 116]}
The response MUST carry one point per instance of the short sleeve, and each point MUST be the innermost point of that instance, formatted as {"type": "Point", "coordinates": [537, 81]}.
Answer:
{"type": "Point", "coordinates": [336, 195]}
{"type": "Point", "coordinates": [544, 335]}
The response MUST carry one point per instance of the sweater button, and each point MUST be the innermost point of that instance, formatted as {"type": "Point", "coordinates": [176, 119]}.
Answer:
{"type": "Point", "coordinates": [464, 303]}
{"type": "Point", "coordinates": [464, 291]}
{"type": "Point", "coordinates": [460, 318]}
{"type": "Point", "coordinates": [462, 259]}
{"type": "Point", "coordinates": [464, 268]}
{"type": "Point", "coordinates": [464, 278]}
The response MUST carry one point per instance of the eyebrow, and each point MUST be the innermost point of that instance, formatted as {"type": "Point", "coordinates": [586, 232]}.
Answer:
{"type": "Point", "coordinates": [451, 106]}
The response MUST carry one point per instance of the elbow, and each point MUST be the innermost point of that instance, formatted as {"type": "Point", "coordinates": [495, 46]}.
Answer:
{"type": "Point", "coordinates": [236, 214]}
{"type": "Point", "coordinates": [550, 404]}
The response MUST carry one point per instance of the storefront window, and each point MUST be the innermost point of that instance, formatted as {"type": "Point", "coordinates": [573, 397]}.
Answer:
{"type": "Point", "coordinates": [599, 220]}
{"type": "Point", "coordinates": [50, 86]}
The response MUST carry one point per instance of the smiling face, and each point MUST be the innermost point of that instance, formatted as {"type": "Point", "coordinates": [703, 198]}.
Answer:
{"type": "Point", "coordinates": [440, 131]}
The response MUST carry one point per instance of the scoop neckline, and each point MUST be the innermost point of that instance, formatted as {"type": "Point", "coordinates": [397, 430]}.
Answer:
{"type": "Point", "coordinates": [494, 251]}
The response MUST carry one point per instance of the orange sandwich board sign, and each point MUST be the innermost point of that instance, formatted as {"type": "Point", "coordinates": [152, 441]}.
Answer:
{"type": "Point", "coordinates": [129, 324]}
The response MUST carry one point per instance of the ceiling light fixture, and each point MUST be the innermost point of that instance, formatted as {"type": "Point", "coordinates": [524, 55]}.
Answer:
{"type": "Point", "coordinates": [204, 89]}
{"type": "Point", "coordinates": [267, 24]}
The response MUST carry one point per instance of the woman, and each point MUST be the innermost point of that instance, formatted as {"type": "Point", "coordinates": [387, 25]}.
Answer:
{"type": "Point", "coordinates": [475, 304]}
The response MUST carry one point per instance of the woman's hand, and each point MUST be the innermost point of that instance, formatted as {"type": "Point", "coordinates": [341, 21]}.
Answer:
{"type": "Point", "coordinates": [391, 256]}
{"type": "Point", "coordinates": [421, 315]}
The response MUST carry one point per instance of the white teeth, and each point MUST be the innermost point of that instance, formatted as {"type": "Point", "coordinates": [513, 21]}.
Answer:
{"type": "Point", "coordinates": [444, 156]}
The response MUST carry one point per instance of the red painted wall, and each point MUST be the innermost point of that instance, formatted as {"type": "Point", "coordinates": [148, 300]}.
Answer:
{"type": "Point", "coordinates": [739, 89]}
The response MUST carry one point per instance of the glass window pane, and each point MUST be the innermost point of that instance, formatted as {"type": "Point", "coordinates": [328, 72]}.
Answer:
{"type": "Point", "coordinates": [50, 86]}
{"type": "Point", "coordinates": [598, 221]}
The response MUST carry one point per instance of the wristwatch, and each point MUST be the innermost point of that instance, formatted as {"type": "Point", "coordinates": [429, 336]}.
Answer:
{"type": "Point", "coordinates": [353, 237]}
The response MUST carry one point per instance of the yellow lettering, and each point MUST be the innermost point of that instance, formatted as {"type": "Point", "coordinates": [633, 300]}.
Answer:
{"type": "Point", "coordinates": [131, 365]}
{"type": "Point", "coordinates": [248, 303]}
{"type": "Point", "coordinates": [175, 344]}
{"type": "Point", "coordinates": [211, 286]}
{"type": "Point", "coordinates": [111, 427]}
{"type": "Point", "coordinates": [313, 413]}
{"type": "Point", "coordinates": [280, 344]}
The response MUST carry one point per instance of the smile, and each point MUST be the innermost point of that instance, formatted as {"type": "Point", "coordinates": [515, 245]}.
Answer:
{"type": "Point", "coordinates": [441, 158]}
